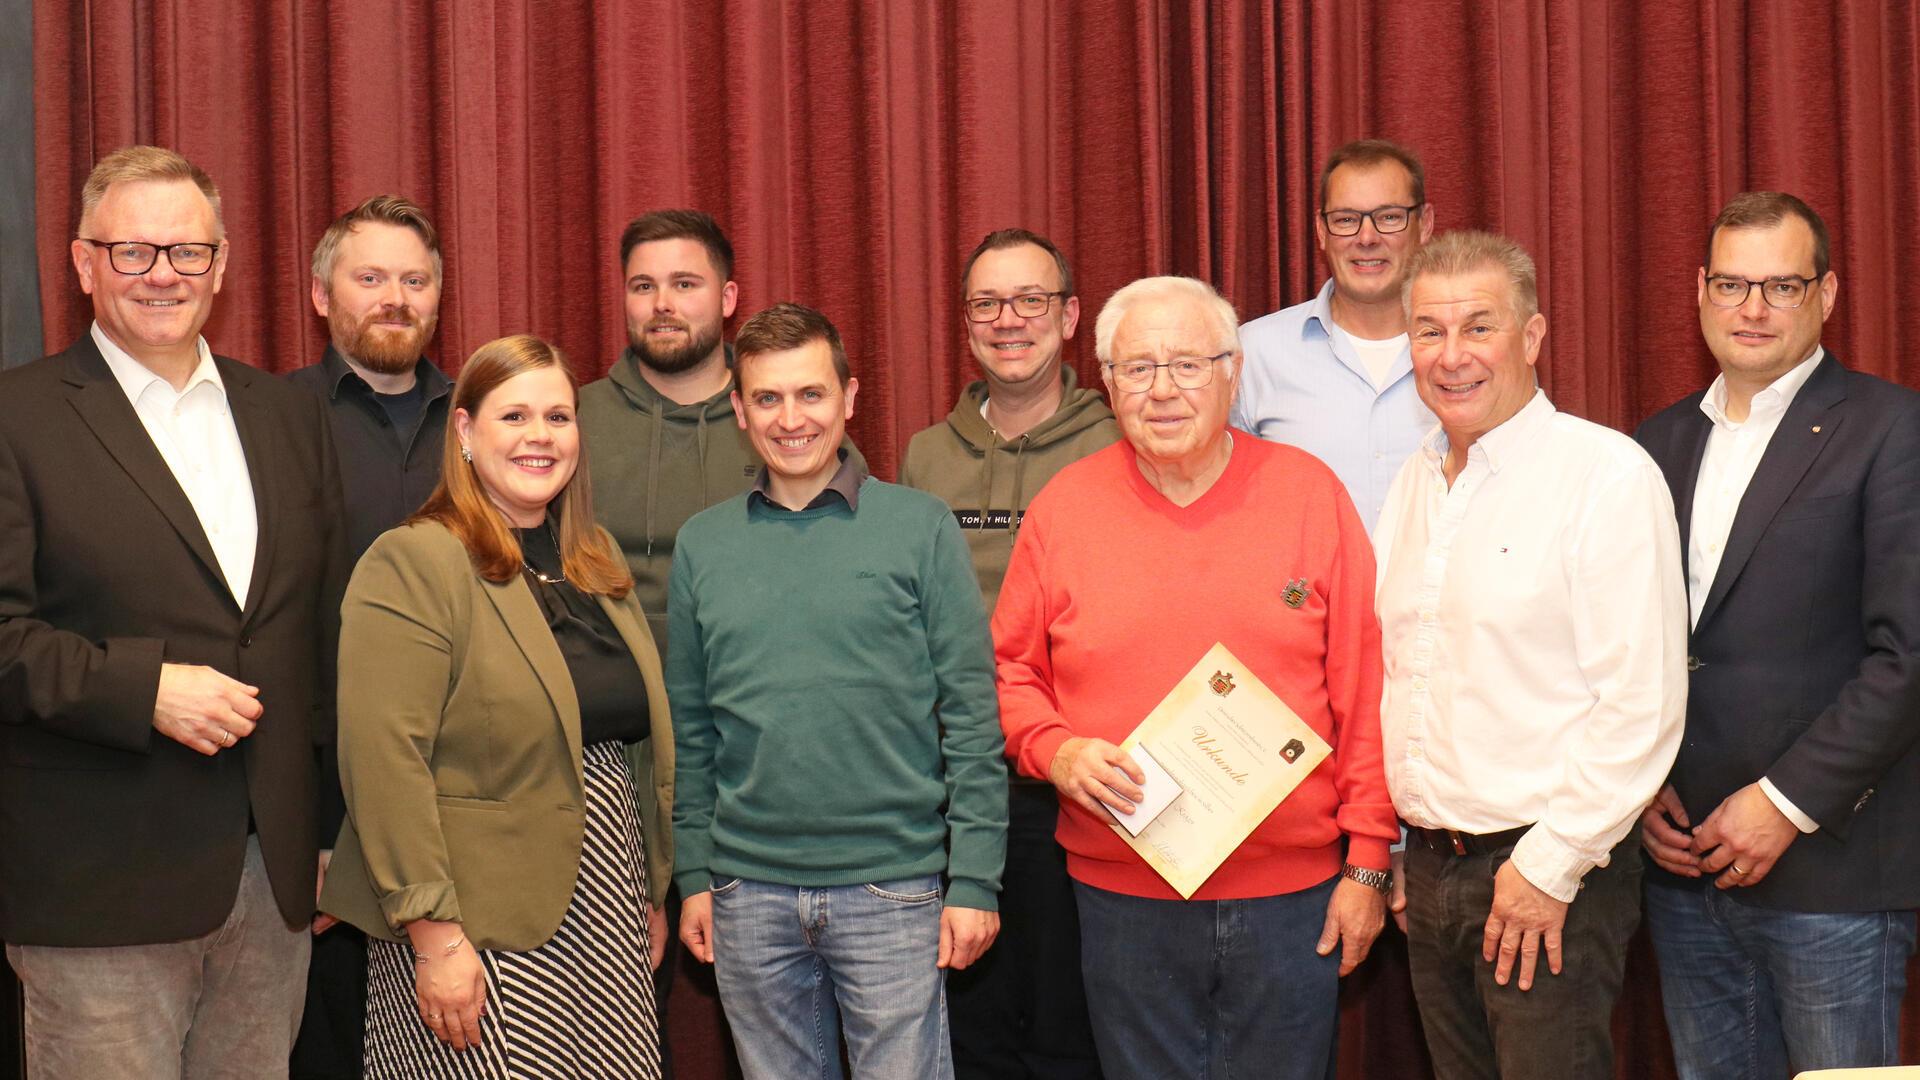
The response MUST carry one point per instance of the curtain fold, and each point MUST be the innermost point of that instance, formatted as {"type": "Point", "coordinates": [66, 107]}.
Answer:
{"type": "Point", "coordinates": [856, 149]}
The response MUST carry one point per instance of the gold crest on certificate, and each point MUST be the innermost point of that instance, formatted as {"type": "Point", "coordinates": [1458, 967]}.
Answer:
{"type": "Point", "coordinates": [1232, 751]}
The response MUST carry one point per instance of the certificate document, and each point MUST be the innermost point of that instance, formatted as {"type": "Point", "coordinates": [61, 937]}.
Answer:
{"type": "Point", "coordinates": [1236, 751]}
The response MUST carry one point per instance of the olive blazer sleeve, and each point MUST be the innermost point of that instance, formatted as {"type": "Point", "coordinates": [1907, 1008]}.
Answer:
{"type": "Point", "coordinates": [460, 752]}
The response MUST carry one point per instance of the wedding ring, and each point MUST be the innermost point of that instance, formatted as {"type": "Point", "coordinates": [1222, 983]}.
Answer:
{"type": "Point", "coordinates": [1737, 872]}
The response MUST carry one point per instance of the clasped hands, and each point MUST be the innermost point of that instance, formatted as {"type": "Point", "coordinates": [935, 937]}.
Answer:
{"type": "Point", "coordinates": [1739, 842]}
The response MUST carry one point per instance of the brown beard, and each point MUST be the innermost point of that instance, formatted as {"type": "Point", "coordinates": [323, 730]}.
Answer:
{"type": "Point", "coordinates": [381, 350]}
{"type": "Point", "coordinates": [699, 346]}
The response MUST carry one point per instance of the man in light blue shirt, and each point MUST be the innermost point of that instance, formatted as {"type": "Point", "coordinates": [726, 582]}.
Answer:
{"type": "Point", "coordinates": [1333, 375]}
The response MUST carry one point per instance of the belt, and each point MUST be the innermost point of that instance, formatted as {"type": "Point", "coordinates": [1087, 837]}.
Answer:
{"type": "Point", "coordinates": [1454, 842]}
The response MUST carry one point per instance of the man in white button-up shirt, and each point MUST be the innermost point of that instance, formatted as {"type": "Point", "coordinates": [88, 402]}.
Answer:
{"type": "Point", "coordinates": [1533, 631]}
{"type": "Point", "coordinates": [170, 576]}
{"type": "Point", "coordinates": [1788, 836]}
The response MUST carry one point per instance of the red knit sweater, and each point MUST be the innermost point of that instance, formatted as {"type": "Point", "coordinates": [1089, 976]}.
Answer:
{"type": "Point", "coordinates": [1114, 593]}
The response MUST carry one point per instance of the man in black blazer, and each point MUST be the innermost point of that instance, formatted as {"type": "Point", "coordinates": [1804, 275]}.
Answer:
{"type": "Point", "coordinates": [1789, 832]}
{"type": "Point", "coordinates": [170, 576]}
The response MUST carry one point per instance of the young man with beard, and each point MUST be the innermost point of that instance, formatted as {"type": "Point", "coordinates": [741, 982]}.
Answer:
{"type": "Point", "coordinates": [1020, 1011]}
{"type": "Point", "coordinates": [376, 280]}
{"type": "Point", "coordinates": [664, 443]}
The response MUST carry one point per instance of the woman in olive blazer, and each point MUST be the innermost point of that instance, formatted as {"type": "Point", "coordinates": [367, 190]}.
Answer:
{"type": "Point", "coordinates": [490, 850]}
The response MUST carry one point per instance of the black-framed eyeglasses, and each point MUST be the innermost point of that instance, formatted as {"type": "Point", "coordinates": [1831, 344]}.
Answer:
{"type": "Point", "coordinates": [1027, 305]}
{"type": "Point", "coordinates": [1187, 372]}
{"type": "Point", "coordinates": [1785, 292]}
{"type": "Point", "coordinates": [1386, 219]}
{"type": "Point", "coordinates": [138, 256]}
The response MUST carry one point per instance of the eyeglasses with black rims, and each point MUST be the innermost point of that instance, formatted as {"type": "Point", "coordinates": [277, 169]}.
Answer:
{"type": "Point", "coordinates": [135, 257]}
{"type": "Point", "coordinates": [1386, 219]}
{"type": "Point", "coordinates": [984, 309]}
{"type": "Point", "coordinates": [1187, 372]}
{"type": "Point", "coordinates": [1785, 292]}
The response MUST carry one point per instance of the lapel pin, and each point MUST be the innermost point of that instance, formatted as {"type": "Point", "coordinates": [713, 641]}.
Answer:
{"type": "Point", "coordinates": [1816, 429]}
{"type": "Point", "coordinates": [1296, 592]}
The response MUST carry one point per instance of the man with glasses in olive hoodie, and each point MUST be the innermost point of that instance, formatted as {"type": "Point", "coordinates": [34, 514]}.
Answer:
{"type": "Point", "coordinates": [1019, 1011]}
{"type": "Point", "coordinates": [661, 427]}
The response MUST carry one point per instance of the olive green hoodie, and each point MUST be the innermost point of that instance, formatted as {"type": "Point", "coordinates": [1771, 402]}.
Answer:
{"type": "Point", "coordinates": [988, 480]}
{"type": "Point", "coordinates": [654, 464]}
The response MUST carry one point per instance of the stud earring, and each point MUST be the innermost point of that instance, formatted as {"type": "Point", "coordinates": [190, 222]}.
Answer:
{"type": "Point", "coordinates": [466, 454]}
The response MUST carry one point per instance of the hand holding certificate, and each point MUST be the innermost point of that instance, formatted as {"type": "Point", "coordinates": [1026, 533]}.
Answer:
{"type": "Point", "coordinates": [1232, 751]}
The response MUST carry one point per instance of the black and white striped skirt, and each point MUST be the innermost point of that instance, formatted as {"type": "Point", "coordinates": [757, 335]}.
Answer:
{"type": "Point", "coordinates": [579, 1006]}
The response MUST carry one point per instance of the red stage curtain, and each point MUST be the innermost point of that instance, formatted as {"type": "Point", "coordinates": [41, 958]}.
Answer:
{"type": "Point", "coordinates": [856, 150]}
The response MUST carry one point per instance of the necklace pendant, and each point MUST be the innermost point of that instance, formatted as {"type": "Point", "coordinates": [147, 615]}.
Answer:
{"type": "Point", "coordinates": [542, 578]}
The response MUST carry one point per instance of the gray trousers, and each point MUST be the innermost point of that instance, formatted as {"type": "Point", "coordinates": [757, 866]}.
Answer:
{"type": "Point", "coordinates": [211, 1008]}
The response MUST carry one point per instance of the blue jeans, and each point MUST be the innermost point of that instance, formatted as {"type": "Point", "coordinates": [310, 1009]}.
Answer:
{"type": "Point", "coordinates": [1752, 991]}
{"type": "Point", "coordinates": [1210, 989]}
{"type": "Point", "coordinates": [796, 964]}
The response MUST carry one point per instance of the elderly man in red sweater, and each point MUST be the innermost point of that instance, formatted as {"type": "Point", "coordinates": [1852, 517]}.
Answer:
{"type": "Point", "coordinates": [1132, 563]}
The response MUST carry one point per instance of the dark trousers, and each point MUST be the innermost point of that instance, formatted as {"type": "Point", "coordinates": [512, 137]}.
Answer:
{"type": "Point", "coordinates": [1211, 989]}
{"type": "Point", "coordinates": [663, 979]}
{"type": "Point", "coordinates": [1020, 1011]}
{"type": "Point", "coordinates": [1562, 1027]}
{"type": "Point", "coordinates": [334, 1027]}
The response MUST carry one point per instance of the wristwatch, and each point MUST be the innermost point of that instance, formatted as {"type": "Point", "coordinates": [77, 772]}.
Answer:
{"type": "Point", "coordinates": [1372, 879]}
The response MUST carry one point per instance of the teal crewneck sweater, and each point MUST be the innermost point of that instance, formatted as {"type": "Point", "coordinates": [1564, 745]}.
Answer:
{"type": "Point", "coordinates": [831, 679]}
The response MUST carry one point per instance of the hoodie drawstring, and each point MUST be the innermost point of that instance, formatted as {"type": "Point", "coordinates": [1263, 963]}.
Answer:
{"type": "Point", "coordinates": [653, 470]}
{"type": "Point", "coordinates": [986, 479]}
{"type": "Point", "coordinates": [700, 448]}
{"type": "Point", "coordinates": [1019, 474]}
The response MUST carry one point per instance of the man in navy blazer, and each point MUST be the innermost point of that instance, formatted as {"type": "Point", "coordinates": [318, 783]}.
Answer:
{"type": "Point", "coordinates": [1788, 836]}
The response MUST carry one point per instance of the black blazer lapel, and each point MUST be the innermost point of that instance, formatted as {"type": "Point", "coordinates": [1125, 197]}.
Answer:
{"type": "Point", "coordinates": [1806, 429]}
{"type": "Point", "coordinates": [1689, 449]}
{"type": "Point", "coordinates": [104, 407]}
{"type": "Point", "coordinates": [257, 445]}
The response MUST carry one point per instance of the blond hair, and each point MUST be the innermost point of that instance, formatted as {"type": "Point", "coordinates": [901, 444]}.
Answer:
{"type": "Point", "coordinates": [383, 209]}
{"type": "Point", "coordinates": [143, 164]}
{"type": "Point", "coordinates": [1465, 251]}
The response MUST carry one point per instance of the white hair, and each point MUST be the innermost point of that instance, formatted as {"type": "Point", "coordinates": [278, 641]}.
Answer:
{"type": "Point", "coordinates": [1165, 288]}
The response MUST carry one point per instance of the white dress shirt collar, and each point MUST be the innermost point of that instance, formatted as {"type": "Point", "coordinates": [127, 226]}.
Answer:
{"type": "Point", "coordinates": [1496, 446]}
{"type": "Point", "coordinates": [196, 436]}
{"type": "Point", "coordinates": [136, 378]}
{"type": "Point", "coordinates": [1774, 399]}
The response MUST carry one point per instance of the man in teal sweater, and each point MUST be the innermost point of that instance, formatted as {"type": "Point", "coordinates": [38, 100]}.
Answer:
{"type": "Point", "coordinates": [837, 736]}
